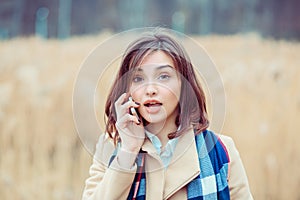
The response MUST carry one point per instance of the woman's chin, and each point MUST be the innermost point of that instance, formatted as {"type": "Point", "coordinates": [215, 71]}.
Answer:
{"type": "Point", "coordinates": [154, 120]}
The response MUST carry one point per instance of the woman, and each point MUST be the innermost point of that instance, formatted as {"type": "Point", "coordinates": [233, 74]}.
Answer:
{"type": "Point", "coordinates": [156, 144]}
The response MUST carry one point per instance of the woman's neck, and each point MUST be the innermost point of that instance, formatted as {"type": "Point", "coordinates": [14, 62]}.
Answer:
{"type": "Point", "coordinates": [161, 130]}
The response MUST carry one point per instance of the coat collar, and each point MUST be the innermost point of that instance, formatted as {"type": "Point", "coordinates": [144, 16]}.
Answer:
{"type": "Point", "coordinates": [183, 167]}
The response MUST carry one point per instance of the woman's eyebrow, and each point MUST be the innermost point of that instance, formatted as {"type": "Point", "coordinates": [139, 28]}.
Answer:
{"type": "Point", "coordinates": [158, 67]}
{"type": "Point", "coordinates": [164, 66]}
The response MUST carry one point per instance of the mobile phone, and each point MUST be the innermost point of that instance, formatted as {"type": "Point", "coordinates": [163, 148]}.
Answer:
{"type": "Point", "coordinates": [133, 111]}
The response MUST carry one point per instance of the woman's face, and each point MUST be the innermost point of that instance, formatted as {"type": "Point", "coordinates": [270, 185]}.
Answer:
{"type": "Point", "coordinates": [156, 86]}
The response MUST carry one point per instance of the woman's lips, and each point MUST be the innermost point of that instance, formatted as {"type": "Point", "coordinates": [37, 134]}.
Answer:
{"type": "Point", "coordinates": [152, 106]}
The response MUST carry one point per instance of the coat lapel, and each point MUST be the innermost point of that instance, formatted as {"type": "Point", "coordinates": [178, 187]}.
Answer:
{"type": "Point", "coordinates": [184, 165]}
{"type": "Point", "coordinates": [155, 172]}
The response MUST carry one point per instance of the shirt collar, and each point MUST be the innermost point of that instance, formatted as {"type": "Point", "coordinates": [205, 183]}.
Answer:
{"type": "Point", "coordinates": [170, 146]}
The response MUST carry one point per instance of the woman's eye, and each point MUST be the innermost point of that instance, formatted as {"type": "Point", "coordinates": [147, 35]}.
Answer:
{"type": "Point", "coordinates": [164, 77]}
{"type": "Point", "coordinates": [137, 79]}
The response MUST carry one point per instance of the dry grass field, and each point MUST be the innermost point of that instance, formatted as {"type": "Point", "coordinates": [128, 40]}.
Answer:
{"type": "Point", "coordinates": [41, 156]}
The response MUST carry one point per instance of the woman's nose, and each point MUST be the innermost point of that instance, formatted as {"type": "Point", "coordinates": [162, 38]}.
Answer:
{"type": "Point", "coordinates": [151, 90]}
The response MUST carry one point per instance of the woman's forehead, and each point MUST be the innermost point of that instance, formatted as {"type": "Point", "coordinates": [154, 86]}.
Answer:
{"type": "Point", "coordinates": [158, 58]}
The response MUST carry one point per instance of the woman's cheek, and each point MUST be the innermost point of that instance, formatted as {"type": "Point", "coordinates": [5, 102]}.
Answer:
{"type": "Point", "coordinates": [136, 94]}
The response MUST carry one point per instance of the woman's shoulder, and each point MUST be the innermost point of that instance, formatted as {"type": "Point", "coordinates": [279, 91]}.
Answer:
{"type": "Point", "coordinates": [230, 146]}
{"type": "Point", "coordinates": [226, 140]}
{"type": "Point", "coordinates": [238, 181]}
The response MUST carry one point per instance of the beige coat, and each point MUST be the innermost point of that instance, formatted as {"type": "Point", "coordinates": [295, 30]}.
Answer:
{"type": "Point", "coordinates": [114, 183]}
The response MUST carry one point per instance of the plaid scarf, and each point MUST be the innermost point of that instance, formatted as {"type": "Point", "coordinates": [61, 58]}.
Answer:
{"type": "Point", "coordinates": [211, 183]}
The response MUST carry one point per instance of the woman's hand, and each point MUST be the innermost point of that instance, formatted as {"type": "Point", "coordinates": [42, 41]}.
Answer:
{"type": "Point", "coordinates": [131, 130]}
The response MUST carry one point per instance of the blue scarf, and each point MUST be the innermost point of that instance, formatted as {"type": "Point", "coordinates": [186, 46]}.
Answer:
{"type": "Point", "coordinates": [211, 183]}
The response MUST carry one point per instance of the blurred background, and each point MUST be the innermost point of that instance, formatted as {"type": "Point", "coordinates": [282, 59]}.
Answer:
{"type": "Point", "coordinates": [254, 44]}
{"type": "Point", "coordinates": [65, 18]}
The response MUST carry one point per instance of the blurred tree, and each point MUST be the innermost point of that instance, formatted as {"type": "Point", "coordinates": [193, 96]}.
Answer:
{"type": "Point", "coordinates": [68, 17]}
{"type": "Point", "coordinates": [13, 11]}
{"type": "Point", "coordinates": [249, 15]}
{"type": "Point", "coordinates": [131, 16]}
{"type": "Point", "coordinates": [206, 17]}
{"type": "Point", "coordinates": [64, 18]}
{"type": "Point", "coordinates": [178, 21]}
{"type": "Point", "coordinates": [17, 17]}
{"type": "Point", "coordinates": [41, 22]}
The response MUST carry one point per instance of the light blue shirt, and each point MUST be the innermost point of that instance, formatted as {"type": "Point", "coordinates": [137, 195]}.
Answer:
{"type": "Point", "coordinates": [167, 153]}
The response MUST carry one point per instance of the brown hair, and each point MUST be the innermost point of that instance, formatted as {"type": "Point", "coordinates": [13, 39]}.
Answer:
{"type": "Point", "coordinates": [192, 111]}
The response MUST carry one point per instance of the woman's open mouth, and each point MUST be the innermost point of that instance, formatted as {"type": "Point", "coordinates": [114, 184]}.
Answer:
{"type": "Point", "coordinates": [152, 106]}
